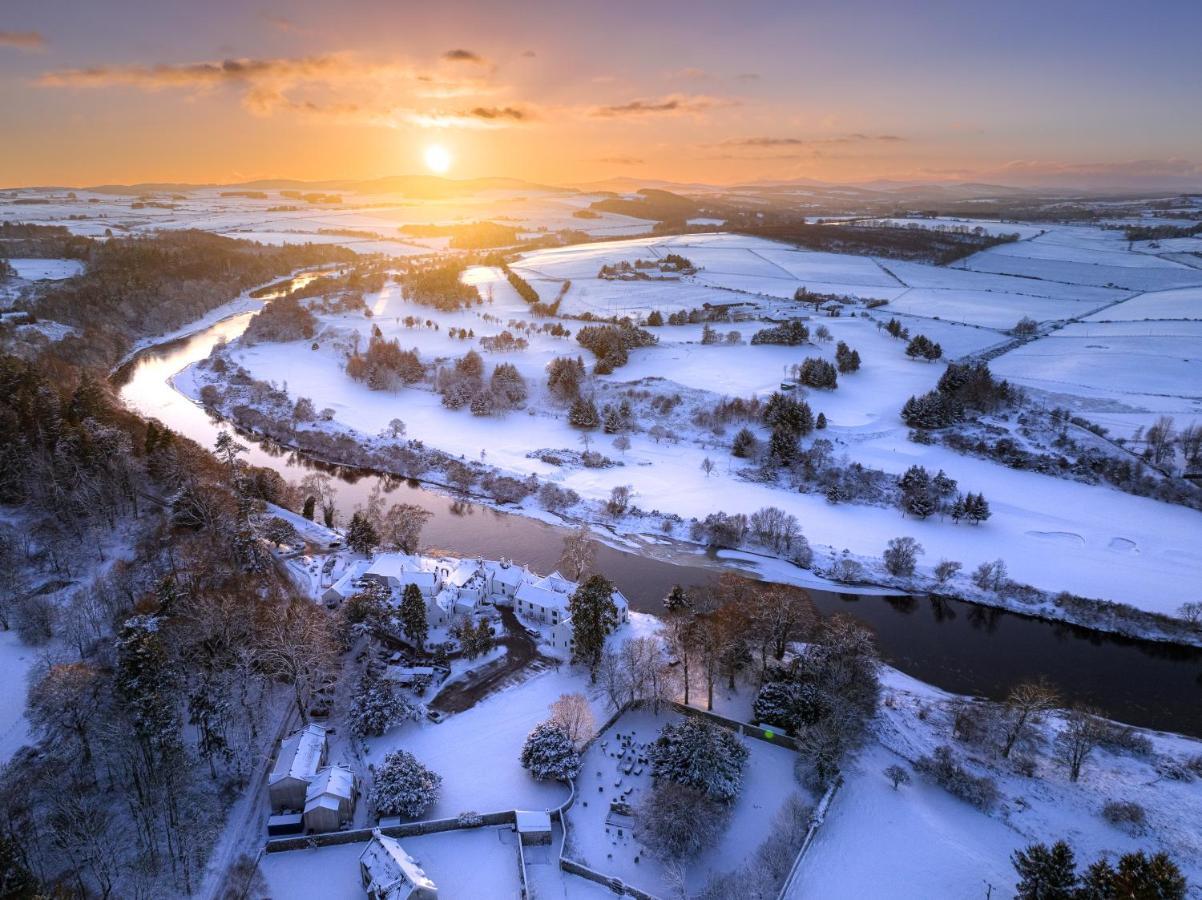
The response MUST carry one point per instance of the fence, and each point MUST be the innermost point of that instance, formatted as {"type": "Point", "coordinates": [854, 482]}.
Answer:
{"type": "Point", "coordinates": [815, 823]}
{"type": "Point", "coordinates": [407, 829]}
{"type": "Point", "coordinates": [767, 735]}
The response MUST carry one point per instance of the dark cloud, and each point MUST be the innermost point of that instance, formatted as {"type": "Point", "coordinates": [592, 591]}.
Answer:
{"type": "Point", "coordinates": [511, 113]}
{"type": "Point", "coordinates": [529, 54]}
{"type": "Point", "coordinates": [23, 40]}
{"type": "Point", "coordinates": [461, 55]}
{"type": "Point", "coordinates": [675, 104]}
{"type": "Point", "coordinates": [813, 142]}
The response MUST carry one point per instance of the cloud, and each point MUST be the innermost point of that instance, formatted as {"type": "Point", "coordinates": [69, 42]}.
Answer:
{"type": "Point", "coordinates": [204, 75]}
{"type": "Point", "coordinates": [747, 76]}
{"type": "Point", "coordinates": [689, 73]}
{"type": "Point", "coordinates": [23, 40]}
{"type": "Point", "coordinates": [345, 87]}
{"type": "Point", "coordinates": [511, 113]}
{"type": "Point", "coordinates": [766, 142]}
{"type": "Point", "coordinates": [673, 104]}
{"type": "Point", "coordinates": [280, 23]}
{"type": "Point", "coordinates": [622, 160]}
{"type": "Point", "coordinates": [528, 54]}
{"type": "Point", "coordinates": [461, 55]}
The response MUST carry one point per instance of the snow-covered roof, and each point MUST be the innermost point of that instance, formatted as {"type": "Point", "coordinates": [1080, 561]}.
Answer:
{"type": "Point", "coordinates": [394, 873]}
{"type": "Point", "coordinates": [393, 565]}
{"type": "Point", "coordinates": [541, 597]}
{"type": "Point", "coordinates": [556, 582]}
{"type": "Point", "coordinates": [329, 786]}
{"type": "Point", "coordinates": [406, 674]}
{"type": "Point", "coordinates": [533, 821]}
{"type": "Point", "coordinates": [300, 754]}
{"type": "Point", "coordinates": [464, 572]}
{"type": "Point", "coordinates": [507, 573]}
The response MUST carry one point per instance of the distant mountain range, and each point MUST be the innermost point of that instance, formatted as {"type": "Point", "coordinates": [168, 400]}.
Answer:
{"type": "Point", "coordinates": [432, 187]}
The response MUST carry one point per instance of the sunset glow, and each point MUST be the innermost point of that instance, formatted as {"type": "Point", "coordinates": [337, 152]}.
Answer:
{"type": "Point", "coordinates": [438, 159]}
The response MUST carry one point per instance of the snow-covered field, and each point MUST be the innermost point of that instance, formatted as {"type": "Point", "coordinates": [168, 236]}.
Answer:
{"type": "Point", "coordinates": [476, 752]}
{"type": "Point", "coordinates": [16, 659]}
{"type": "Point", "coordinates": [920, 841]}
{"type": "Point", "coordinates": [1112, 377]}
{"type": "Point", "coordinates": [46, 269]}
{"type": "Point", "coordinates": [476, 863]}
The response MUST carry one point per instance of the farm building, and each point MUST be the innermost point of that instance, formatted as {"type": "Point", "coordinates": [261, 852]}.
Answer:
{"type": "Point", "coordinates": [389, 873]}
{"type": "Point", "coordinates": [302, 753]}
{"type": "Point", "coordinates": [330, 799]}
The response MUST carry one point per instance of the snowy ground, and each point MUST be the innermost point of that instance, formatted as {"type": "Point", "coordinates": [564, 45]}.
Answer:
{"type": "Point", "coordinates": [919, 841]}
{"type": "Point", "coordinates": [46, 269]}
{"type": "Point", "coordinates": [16, 659]}
{"type": "Point", "coordinates": [1053, 533]}
{"type": "Point", "coordinates": [768, 779]}
{"type": "Point", "coordinates": [477, 863]}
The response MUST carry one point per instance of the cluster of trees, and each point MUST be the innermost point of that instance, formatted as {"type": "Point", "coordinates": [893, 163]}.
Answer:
{"type": "Point", "coordinates": [938, 246]}
{"type": "Point", "coordinates": [475, 638]}
{"type": "Point", "coordinates": [385, 365]}
{"type": "Point", "coordinates": [463, 385]}
{"type": "Point", "coordinates": [172, 665]}
{"type": "Point", "coordinates": [816, 372]}
{"type": "Point", "coordinates": [826, 696]}
{"type": "Point", "coordinates": [790, 420]}
{"type": "Point", "coordinates": [611, 344]}
{"type": "Point", "coordinates": [1050, 873]}
{"type": "Point", "coordinates": [923, 347]}
{"type": "Point", "coordinates": [711, 336]}
{"type": "Point", "coordinates": [138, 286]}
{"type": "Point", "coordinates": [282, 320]}
{"type": "Point", "coordinates": [922, 495]}
{"type": "Point", "coordinates": [847, 359]}
{"type": "Point", "coordinates": [565, 377]}
{"type": "Point", "coordinates": [439, 285]}
{"type": "Point", "coordinates": [791, 334]}
{"type": "Point", "coordinates": [522, 286]}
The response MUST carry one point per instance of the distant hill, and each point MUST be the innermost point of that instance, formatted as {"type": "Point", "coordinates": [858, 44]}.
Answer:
{"type": "Point", "coordinates": [421, 187]}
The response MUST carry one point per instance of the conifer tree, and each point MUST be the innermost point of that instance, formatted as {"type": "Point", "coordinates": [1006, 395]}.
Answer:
{"type": "Point", "coordinates": [413, 615]}
{"type": "Point", "coordinates": [594, 615]}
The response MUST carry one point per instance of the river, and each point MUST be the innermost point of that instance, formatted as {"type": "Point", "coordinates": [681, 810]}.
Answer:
{"type": "Point", "coordinates": [957, 646]}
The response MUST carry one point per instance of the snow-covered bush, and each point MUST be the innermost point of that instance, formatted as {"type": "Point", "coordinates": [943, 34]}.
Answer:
{"type": "Point", "coordinates": [403, 786]}
{"type": "Point", "coordinates": [550, 753]}
{"type": "Point", "coordinates": [944, 769]}
{"type": "Point", "coordinates": [701, 755]}
{"type": "Point", "coordinates": [377, 706]}
{"type": "Point", "coordinates": [676, 822]}
{"type": "Point", "coordinates": [469, 819]}
{"type": "Point", "coordinates": [1125, 814]}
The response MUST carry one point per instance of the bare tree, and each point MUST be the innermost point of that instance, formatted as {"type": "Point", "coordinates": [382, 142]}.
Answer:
{"type": "Point", "coordinates": [401, 527]}
{"type": "Point", "coordinates": [298, 648]}
{"type": "Point", "coordinates": [579, 553]}
{"type": "Point", "coordinates": [572, 713]}
{"type": "Point", "coordinates": [1083, 730]}
{"type": "Point", "coordinates": [1025, 704]}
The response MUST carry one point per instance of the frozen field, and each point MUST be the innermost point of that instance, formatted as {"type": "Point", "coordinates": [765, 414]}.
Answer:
{"type": "Point", "coordinates": [1183, 303]}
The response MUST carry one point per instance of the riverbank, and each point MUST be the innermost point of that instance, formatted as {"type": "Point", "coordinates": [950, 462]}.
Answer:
{"type": "Point", "coordinates": [652, 532]}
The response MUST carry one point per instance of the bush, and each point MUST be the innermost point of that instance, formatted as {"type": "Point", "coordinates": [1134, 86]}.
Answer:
{"type": "Point", "coordinates": [550, 753]}
{"type": "Point", "coordinates": [944, 769]}
{"type": "Point", "coordinates": [403, 786]}
{"type": "Point", "coordinates": [1125, 814]}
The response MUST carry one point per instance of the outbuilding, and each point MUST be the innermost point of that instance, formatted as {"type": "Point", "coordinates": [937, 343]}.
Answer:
{"type": "Point", "coordinates": [302, 753]}
{"type": "Point", "coordinates": [389, 873]}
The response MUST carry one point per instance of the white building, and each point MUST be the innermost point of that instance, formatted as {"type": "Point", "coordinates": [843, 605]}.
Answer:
{"type": "Point", "coordinates": [302, 753]}
{"type": "Point", "coordinates": [330, 799]}
{"type": "Point", "coordinates": [389, 873]}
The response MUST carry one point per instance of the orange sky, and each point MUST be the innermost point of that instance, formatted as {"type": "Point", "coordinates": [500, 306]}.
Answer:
{"type": "Point", "coordinates": [139, 91]}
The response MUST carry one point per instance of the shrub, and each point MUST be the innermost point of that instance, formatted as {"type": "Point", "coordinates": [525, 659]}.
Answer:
{"type": "Point", "coordinates": [944, 769]}
{"type": "Point", "coordinates": [1124, 814]}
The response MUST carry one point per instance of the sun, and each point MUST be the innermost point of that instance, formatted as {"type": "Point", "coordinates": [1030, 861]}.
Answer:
{"type": "Point", "coordinates": [438, 159]}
